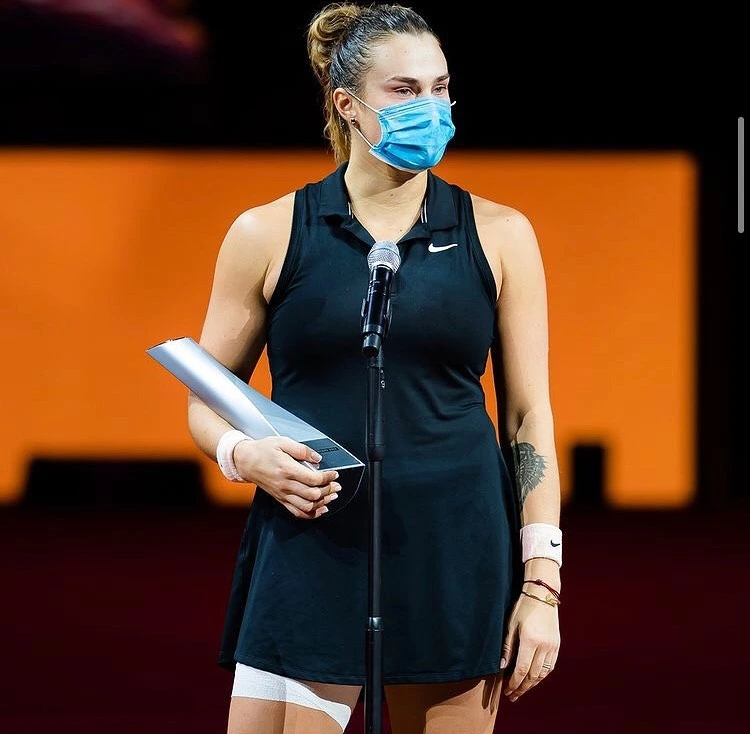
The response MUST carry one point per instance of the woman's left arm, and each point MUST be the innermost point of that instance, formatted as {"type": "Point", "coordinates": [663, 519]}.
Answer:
{"type": "Point", "coordinates": [527, 429]}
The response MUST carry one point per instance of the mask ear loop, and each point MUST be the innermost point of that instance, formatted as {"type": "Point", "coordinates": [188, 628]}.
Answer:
{"type": "Point", "coordinates": [361, 101]}
{"type": "Point", "coordinates": [356, 129]}
{"type": "Point", "coordinates": [353, 120]}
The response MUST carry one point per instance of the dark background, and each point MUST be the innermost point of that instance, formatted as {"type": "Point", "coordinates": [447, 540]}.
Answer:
{"type": "Point", "coordinates": [617, 78]}
{"type": "Point", "coordinates": [114, 615]}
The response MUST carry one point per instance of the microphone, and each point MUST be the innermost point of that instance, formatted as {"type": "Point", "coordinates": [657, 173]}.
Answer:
{"type": "Point", "coordinates": [383, 260]}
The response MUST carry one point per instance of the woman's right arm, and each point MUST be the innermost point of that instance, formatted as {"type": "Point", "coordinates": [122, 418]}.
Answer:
{"type": "Point", "coordinates": [246, 270]}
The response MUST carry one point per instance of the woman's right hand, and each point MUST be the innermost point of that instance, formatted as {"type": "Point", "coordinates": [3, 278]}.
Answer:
{"type": "Point", "coordinates": [273, 464]}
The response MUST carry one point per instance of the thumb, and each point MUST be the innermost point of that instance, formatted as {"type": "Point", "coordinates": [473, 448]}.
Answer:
{"type": "Point", "coordinates": [299, 451]}
{"type": "Point", "coordinates": [510, 642]}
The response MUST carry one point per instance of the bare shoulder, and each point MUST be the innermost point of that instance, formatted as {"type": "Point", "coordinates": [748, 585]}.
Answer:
{"type": "Point", "coordinates": [501, 225]}
{"type": "Point", "coordinates": [255, 245]}
{"type": "Point", "coordinates": [508, 238]}
{"type": "Point", "coordinates": [259, 232]}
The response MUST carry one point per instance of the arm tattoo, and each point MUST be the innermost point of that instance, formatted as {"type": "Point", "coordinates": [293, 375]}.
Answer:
{"type": "Point", "coordinates": [529, 467]}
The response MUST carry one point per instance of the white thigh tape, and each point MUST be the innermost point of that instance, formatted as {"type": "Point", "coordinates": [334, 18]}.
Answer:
{"type": "Point", "coordinates": [541, 540]}
{"type": "Point", "coordinates": [250, 682]}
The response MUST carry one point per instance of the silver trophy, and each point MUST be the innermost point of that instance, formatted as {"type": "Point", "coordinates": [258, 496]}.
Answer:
{"type": "Point", "coordinates": [251, 412]}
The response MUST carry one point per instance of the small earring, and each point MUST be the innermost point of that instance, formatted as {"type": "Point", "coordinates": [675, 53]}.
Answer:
{"type": "Point", "coordinates": [353, 121]}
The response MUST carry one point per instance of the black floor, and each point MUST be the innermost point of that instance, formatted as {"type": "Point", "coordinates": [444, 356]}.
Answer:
{"type": "Point", "coordinates": [110, 622]}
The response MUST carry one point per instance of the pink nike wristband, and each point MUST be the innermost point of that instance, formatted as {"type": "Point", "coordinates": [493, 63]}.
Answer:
{"type": "Point", "coordinates": [225, 454]}
{"type": "Point", "coordinates": [541, 540]}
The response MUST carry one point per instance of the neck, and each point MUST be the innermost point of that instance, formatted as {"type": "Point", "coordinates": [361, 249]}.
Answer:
{"type": "Point", "coordinates": [380, 187]}
{"type": "Point", "coordinates": [386, 201]}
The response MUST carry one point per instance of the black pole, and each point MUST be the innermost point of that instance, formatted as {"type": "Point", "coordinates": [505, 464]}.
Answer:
{"type": "Point", "coordinates": [383, 259]}
{"type": "Point", "coordinates": [375, 450]}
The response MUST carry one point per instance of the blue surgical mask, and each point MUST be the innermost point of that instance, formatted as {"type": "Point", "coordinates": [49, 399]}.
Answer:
{"type": "Point", "coordinates": [414, 134]}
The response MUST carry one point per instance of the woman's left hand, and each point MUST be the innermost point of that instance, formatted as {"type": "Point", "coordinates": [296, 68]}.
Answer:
{"type": "Point", "coordinates": [534, 629]}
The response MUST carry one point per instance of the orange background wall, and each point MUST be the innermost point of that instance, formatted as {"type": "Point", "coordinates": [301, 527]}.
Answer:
{"type": "Point", "coordinates": [106, 253]}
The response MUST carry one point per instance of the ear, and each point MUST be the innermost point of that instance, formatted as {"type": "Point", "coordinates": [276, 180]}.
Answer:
{"type": "Point", "coordinates": [344, 103]}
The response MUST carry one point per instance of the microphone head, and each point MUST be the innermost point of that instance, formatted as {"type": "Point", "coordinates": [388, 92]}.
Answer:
{"type": "Point", "coordinates": [384, 253]}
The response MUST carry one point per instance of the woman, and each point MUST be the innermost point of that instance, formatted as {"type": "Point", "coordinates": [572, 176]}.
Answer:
{"type": "Point", "coordinates": [469, 602]}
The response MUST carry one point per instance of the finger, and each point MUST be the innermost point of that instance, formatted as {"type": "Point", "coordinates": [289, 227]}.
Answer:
{"type": "Point", "coordinates": [520, 669]}
{"type": "Point", "coordinates": [298, 450]}
{"type": "Point", "coordinates": [309, 477]}
{"type": "Point", "coordinates": [322, 478]}
{"type": "Point", "coordinates": [537, 673]}
{"type": "Point", "coordinates": [307, 498]}
{"type": "Point", "coordinates": [527, 685]}
{"type": "Point", "coordinates": [508, 645]}
{"type": "Point", "coordinates": [317, 512]}
{"type": "Point", "coordinates": [313, 494]}
{"type": "Point", "coordinates": [301, 514]}
{"type": "Point", "coordinates": [548, 665]}
{"type": "Point", "coordinates": [331, 495]}
{"type": "Point", "coordinates": [551, 660]}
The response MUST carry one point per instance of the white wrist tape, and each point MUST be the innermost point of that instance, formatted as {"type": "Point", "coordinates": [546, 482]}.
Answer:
{"type": "Point", "coordinates": [225, 454]}
{"type": "Point", "coordinates": [541, 540]}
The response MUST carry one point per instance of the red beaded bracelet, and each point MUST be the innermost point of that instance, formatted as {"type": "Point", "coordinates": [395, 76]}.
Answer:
{"type": "Point", "coordinates": [549, 588]}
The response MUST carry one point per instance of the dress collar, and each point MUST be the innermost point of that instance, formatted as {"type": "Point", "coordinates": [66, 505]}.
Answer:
{"type": "Point", "coordinates": [438, 209]}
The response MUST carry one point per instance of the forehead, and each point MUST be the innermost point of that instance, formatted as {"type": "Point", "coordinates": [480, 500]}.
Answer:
{"type": "Point", "coordinates": [407, 55]}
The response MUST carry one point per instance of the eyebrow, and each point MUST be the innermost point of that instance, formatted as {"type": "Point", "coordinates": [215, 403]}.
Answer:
{"type": "Point", "coordinates": [412, 80]}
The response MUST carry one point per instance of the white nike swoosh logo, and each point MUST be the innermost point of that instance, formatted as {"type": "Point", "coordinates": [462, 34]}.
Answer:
{"type": "Point", "coordinates": [432, 247]}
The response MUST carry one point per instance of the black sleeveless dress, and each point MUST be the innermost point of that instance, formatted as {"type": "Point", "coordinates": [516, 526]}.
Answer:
{"type": "Point", "coordinates": [450, 561]}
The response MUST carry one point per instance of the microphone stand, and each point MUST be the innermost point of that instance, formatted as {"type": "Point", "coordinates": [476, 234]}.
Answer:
{"type": "Point", "coordinates": [375, 451]}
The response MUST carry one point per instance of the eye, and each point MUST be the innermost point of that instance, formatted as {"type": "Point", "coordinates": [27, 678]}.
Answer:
{"type": "Point", "coordinates": [404, 91]}
{"type": "Point", "coordinates": [441, 90]}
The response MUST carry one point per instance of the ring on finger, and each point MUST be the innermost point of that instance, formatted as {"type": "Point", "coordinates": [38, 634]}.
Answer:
{"type": "Point", "coordinates": [547, 665]}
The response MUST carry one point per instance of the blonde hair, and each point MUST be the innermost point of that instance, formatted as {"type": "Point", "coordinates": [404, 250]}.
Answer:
{"type": "Point", "coordinates": [340, 38]}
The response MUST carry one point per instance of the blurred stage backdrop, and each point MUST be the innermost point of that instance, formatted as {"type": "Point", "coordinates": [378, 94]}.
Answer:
{"type": "Point", "coordinates": [134, 131]}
